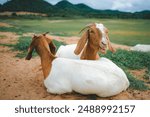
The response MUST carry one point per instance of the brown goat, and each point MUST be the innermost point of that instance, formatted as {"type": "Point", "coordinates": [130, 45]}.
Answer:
{"type": "Point", "coordinates": [93, 38]}
{"type": "Point", "coordinates": [44, 47]}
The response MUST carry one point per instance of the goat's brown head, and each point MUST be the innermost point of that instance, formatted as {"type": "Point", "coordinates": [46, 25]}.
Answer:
{"type": "Point", "coordinates": [41, 41]}
{"type": "Point", "coordinates": [96, 36]}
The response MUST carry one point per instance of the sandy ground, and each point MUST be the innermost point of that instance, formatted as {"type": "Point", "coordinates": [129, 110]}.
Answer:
{"type": "Point", "coordinates": [21, 79]}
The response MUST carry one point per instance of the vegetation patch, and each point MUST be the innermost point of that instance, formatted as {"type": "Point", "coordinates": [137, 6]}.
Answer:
{"type": "Point", "coordinates": [2, 36]}
{"type": "Point", "coordinates": [131, 60]}
{"type": "Point", "coordinates": [147, 75]}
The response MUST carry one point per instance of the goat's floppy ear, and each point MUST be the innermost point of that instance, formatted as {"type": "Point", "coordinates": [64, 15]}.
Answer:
{"type": "Point", "coordinates": [109, 44]}
{"type": "Point", "coordinates": [81, 43]}
{"type": "Point", "coordinates": [30, 50]}
{"type": "Point", "coordinates": [51, 44]}
{"type": "Point", "coordinates": [52, 48]}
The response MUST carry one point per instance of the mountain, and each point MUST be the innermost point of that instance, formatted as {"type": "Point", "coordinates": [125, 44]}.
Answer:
{"type": "Point", "coordinates": [84, 7]}
{"type": "Point", "coordinates": [39, 6]}
{"type": "Point", "coordinates": [64, 4]}
{"type": "Point", "coordinates": [66, 9]}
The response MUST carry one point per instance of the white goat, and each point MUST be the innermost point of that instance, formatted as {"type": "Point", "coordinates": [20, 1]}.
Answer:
{"type": "Point", "coordinates": [62, 75]}
{"type": "Point", "coordinates": [141, 47]}
{"type": "Point", "coordinates": [95, 39]}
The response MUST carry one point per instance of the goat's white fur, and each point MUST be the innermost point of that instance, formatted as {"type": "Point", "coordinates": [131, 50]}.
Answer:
{"type": "Point", "coordinates": [101, 28]}
{"type": "Point", "coordinates": [141, 47]}
{"type": "Point", "coordinates": [101, 77]}
{"type": "Point", "coordinates": [67, 51]}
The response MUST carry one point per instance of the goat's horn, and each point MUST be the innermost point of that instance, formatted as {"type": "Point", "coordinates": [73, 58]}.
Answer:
{"type": "Point", "coordinates": [91, 24]}
{"type": "Point", "coordinates": [45, 33]}
{"type": "Point", "coordinates": [87, 26]}
{"type": "Point", "coordinates": [34, 36]}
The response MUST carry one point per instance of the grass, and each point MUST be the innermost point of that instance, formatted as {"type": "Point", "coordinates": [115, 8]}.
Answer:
{"type": "Point", "coordinates": [2, 36]}
{"type": "Point", "coordinates": [23, 43]}
{"type": "Point", "coordinates": [147, 75]}
{"type": "Point", "coordinates": [135, 83]}
{"type": "Point", "coordinates": [131, 60]}
{"type": "Point", "coordinates": [127, 32]}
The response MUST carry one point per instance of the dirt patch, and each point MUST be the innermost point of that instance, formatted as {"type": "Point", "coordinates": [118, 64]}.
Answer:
{"type": "Point", "coordinates": [4, 25]}
{"type": "Point", "coordinates": [21, 79]}
{"type": "Point", "coordinates": [139, 73]}
{"type": "Point", "coordinates": [8, 38]}
{"type": "Point", "coordinates": [57, 21]}
{"type": "Point", "coordinates": [119, 46]}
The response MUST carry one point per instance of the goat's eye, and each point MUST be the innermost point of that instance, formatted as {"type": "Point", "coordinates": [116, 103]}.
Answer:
{"type": "Point", "coordinates": [91, 31]}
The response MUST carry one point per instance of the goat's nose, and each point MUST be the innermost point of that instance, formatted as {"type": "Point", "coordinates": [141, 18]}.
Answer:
{"type": "Point", "coordinates": [104, 40]}
{"type": "Point", "coordinates": [104, 43]}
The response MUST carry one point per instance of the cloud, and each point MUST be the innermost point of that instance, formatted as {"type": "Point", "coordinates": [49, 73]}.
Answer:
{"type": "Point", "coordinates": [130, 5]}
{"type": "Point", "coordinates": [121, 4]}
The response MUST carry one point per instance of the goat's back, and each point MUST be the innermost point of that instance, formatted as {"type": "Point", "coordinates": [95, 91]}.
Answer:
{"type": "Point", "coordinates": [67, 51]}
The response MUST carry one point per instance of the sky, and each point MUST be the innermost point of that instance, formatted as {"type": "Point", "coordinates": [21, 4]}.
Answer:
{"type": "Point", "coordinates": [122, 5]}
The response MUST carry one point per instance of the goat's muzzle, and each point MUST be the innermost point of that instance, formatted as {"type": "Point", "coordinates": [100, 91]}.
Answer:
{"type": "Point", "coordinates": [102, 48]}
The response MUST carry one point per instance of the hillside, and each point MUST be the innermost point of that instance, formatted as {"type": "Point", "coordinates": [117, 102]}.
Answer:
{"type": "Point", "coordinates": [84, 7]}
{"type": "Point", "coordinates": [64, 9]}
{"type": "Point", "coordinates": [39, 6]}
{"type": "Point", "coordinates": [67, 9]}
